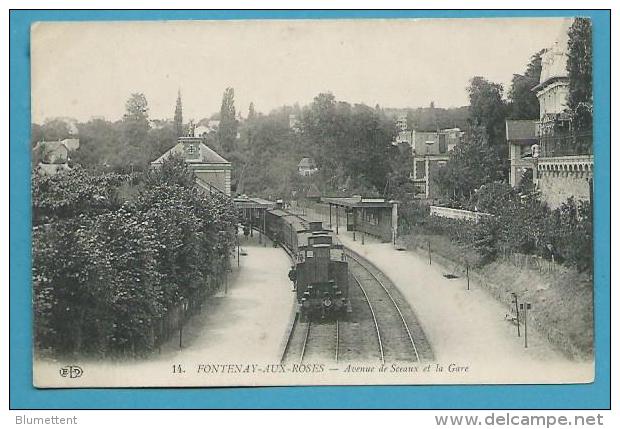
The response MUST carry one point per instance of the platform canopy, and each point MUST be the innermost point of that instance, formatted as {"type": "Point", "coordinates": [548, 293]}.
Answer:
{"type": "Point", "coordinates": [253, 203]}
{"type": "Point", "coordinates": [358, 202]}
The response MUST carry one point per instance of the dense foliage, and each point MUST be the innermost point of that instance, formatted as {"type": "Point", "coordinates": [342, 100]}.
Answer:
{"type": "Point", "coordinates": [579, 68]}
{"type": "Point", "coordinates": [178, 116]}
{"type": "Point", "coordinates": [471, 164]}
{"type": "Point", "coordinates": [351, 145]}
{"type": "Point", "coordinates": [107, 271]}
{"type": "Point", "coordinates": [227, 131]}
{"type": "Point", "coordinates": [519, 223]}
{"type": "Point", "coordinates": [522, 101]}
{"type": "Point", "coordinates": [129, 144]}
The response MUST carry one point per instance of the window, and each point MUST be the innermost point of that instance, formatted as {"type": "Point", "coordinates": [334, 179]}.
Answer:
{"type": "Point", "coordinates": [371, 218]}
{"type": "Point", "coordinates": [420, 170]}
{"type": "Point", "coordinates": [443, 147]}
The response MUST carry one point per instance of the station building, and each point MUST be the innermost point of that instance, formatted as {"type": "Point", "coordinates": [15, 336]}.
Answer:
{"type": "Point", "coordinates": [253, 209]}
{"type": "Point", "coordinates": [372, 216]}
{"type": "Point", "coordinates": [213, 173]}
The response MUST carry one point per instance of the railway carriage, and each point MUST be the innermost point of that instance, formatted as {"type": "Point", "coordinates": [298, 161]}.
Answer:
{"type": "Point", "coordinates": [284, 228]}
{"type": "Point", "coordinates": [320, 270]}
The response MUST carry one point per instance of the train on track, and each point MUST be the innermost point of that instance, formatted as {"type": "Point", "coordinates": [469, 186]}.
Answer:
{"type": "Point", "coordinates": [320, 269]}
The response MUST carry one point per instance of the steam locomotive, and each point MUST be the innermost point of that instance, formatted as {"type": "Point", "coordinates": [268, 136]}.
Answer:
{"type": "Point", "coordinates": [320, 271]}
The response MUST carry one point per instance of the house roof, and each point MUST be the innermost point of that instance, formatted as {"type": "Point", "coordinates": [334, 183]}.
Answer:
{"type": "Point", "coordinates": [51, 169]}
{"type": "Point", "coordinates": [54, 152]}
{"type": "Point", "coordinates": [307, 162]}
{"type": "Point", "coordinates": [521, 130]}
{"type": "Point", "coordinates": [549, 81]}
{"type": "Point", "coordinates": [313, 191]}
{"type": "Point", "coordinates": [57, 150]}
{"type": "Point", "coordinates": [207, 155]}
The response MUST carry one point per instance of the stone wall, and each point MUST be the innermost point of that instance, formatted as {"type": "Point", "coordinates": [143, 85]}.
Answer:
{"type": "Point", "coordinates": [219, 179]}
{"type": "Point", "coordinates": [560, 178]}
{"type": "Point", "coordinates": [451, 213]}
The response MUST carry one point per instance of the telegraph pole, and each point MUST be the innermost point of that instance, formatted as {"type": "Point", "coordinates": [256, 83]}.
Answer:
{"type": "Point", "coordinates": [525, 307]}
{"type": "Point", "coordinates": [264, 216]}
{"type": "Point", "coordinates": [430, 261]}
{"type": "Point", "coordinates": [516, 301]}
{"type": "Point", "coordinates": [337, 218]}
{"type": "Point", "coordinates": [330, 215]}
{"type": "Point", "coordinates": [467, 271]}
{"type": "Point", "coordinates": [260, 235]}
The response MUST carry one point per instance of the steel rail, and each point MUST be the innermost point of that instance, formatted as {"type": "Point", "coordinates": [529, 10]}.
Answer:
{"type": "Point", "coordinates": [287, 346]}
{"type": "Point", "coordinates": [303, 349]}
{"type": "Point", "coordinates": [337, 339]}
{"type": "Point", "coordinates": [402, 318]}
{"type": "Point", "coordinates": [374, 318]}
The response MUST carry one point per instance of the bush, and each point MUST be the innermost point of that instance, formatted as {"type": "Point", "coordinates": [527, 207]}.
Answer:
{"type": "Point", "coordinates": [520, 223]}
{"type": "Point", "coordinates": [109, 272]}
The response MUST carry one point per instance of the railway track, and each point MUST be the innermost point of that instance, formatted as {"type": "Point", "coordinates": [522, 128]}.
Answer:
{"type": "Point", "coordinates": [382, 327]}
{"type": "Point", "coordinates": [397, 332]}
{"type": "Point", "coordinates": [312, 341]}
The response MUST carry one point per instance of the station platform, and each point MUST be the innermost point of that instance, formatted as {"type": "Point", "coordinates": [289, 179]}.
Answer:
{"type": "Point", "coordinates": [466, 327]}
{"type": "Point", "coordinates": [248, 321]}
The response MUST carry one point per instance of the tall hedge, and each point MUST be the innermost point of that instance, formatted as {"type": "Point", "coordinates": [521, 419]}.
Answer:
{"type": "Point", "coordinates": [106, 271]}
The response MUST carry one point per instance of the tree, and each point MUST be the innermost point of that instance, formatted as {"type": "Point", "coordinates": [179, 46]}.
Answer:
{"type": "Point", "coordinates": [100, 144]}
{"type": "Point", "coordinates": [487, 109]}
{"type": "Point", "coordinates": [137, 109]}
{"type": "Point", "coordinates": [367, 154]}
{"type": "Point", "coordinates": [107, 272]}
{"type": "Point", "coordinates": [523, 102]}
{"type": "Point", "coordinates": [135, 125]}
{"type": "Point", "coordinates": [350, 144]}
{"type": "Point", "coordinates": [53, 129]}
{"type": "Point", "coordinates": [36, 134]}
{"type": "Point", "coordinates": [251, 112]}
{"type": "Point", "coordinates": [579, 66]}
{"type": "Point", "coordinates": [472, 164]}
{"type": "Point", "coordinates": [324, 124]}
{"type": "Point", "coordinates": [178, 116]}
{"type": "Point", "coordinates": [159, 140]}
{"type": "Point", "coordinates": [227, 130]}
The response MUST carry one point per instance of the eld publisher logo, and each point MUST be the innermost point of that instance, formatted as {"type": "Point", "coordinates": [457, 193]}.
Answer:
{"type": "Point", "coordinates": [71, 371]}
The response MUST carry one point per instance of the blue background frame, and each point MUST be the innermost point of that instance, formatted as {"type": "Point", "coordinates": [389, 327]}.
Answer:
{"type": "Point", "coordinates": [23, 396]}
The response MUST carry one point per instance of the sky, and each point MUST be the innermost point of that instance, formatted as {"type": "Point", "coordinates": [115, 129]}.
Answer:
{"type": "Point", "coordinates": [86, 70]}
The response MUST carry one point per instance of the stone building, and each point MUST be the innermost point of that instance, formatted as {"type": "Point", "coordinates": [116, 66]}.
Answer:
{"type": "Point", "coordinates": [521, 136]}
{"type": "Point", "coordinates": [401, 123]}
{"type": "Point", "coordinates": [51, 157]}
{"type": "Point", "coordinates": [213, 172]}
{"type": "Point", "coordinates": [564, 168]}
{"type": "Point", "coordinates": [430, 150]}
{"type": "Point", "coordinates": [307, 167]}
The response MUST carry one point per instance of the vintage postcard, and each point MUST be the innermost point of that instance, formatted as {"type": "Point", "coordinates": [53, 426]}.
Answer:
{"type": "Point", "coordinates": [312, 202]}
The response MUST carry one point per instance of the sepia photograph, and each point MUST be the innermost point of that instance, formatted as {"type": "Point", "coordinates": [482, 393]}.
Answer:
{"type": "Point", "coordinates": [312, 202]}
